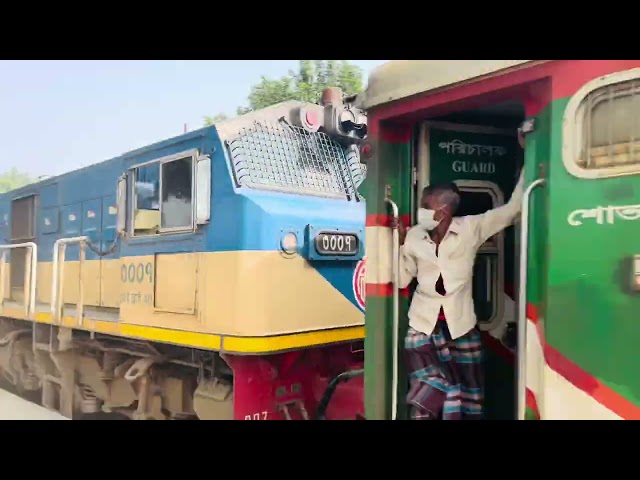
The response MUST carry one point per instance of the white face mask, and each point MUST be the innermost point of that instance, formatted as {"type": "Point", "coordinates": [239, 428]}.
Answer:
{"type": "Point", "coordinates": [426, 220]}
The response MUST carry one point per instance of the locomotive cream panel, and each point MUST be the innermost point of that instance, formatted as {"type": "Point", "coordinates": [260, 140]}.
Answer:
{"type": "Point", "coordinates": [110, 271]}
{"type": "Point", "coordinates": [250, 293]}
{"type": "Point", "coordinates": [93, 281]}
{"type": "Point", "coordinates": [262, 293]}
{"type": "Point", "coordinates": [136, 284]}
{"type": "Point", "coordinates": [176, 296]}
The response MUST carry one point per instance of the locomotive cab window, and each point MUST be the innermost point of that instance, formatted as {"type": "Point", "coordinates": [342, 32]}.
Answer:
{"type": "Point", "coordinates": [487, 271]}
{"type": "Point", "coordinates": [163, 193]}
{"type": "Point", "coordinates": [177, 201]}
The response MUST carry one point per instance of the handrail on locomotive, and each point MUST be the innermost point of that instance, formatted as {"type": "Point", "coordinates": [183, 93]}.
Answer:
{"type": "Point", "coordinates": [57, 283]}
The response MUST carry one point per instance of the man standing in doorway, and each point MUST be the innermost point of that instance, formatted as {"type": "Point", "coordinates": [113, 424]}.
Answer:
{"type": "Point", "coordinates": [443, 348]}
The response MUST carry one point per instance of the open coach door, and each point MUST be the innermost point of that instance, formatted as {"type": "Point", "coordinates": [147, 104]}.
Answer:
{"type": "Point", "coordinates": [484, 162]}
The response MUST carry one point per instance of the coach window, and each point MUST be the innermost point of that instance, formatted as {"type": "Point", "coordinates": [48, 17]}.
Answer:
{"type": "Point", "coordinates": [163, 196]}
{"type": "Point", "coordinates": [602, 127]}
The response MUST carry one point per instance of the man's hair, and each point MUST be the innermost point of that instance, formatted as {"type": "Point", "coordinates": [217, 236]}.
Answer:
{"type": "Point", "coordinates": [446, 193]}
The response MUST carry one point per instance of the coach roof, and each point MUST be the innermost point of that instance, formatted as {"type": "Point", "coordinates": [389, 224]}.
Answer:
{"type": "Point", "coordinates": [403, 78]}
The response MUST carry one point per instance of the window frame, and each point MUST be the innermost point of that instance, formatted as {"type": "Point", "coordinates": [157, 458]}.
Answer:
{"type": "Point", "coordinates": [498, 318]}
{"type": "Point", "coordinates": [35, 204]}
{"type": "Point", "coordinates": [193, 154]}
{"type": "Point", "coordinates": [572, 129]}
{"type": "Point", "coordinates": [34, 207]}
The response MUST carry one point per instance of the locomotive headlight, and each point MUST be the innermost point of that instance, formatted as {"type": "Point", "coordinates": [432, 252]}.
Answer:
{"type": "Point", "coordinates": [289, 243]}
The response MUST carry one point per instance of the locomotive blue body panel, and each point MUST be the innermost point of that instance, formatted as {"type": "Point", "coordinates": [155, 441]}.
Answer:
{"type": "Point", "coordinates": [240, 243]}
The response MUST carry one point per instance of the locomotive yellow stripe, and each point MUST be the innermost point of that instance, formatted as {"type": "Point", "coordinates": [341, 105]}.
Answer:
{"type": "Point", "coordinates": [241, 345]}
{"type": "Point", "coordinates": [286, 342]}
{"type": "Point", "coordinates": [192, 339]}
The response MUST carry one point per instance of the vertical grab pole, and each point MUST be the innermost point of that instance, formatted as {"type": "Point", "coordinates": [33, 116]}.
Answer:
{"type": "Point", "coordinates": [33, 280]}
{"type": "Point", "coordinates": [27, 282]}
{"type": "Point", "coordinates": [396, 305]}
{"type": "Point", "coordinates": [3, 256]}
{"type": "Point", "coordinates": [54, 282]}
{"type": "Point", "coordinates": [522, 300]}
{"type": "Point", "coordinates": [59, 248]}
{"type": "Point", "coordinates": [80, 305]}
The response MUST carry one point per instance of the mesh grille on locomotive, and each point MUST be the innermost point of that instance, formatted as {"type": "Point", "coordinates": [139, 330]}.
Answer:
{"type": "Point", "coordinates": [291, 159]}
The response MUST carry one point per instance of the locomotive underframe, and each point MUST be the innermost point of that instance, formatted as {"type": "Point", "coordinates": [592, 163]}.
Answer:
{"type": "Point", "coordinates": [81, 374]}
{"type": "Point", "coordinates": [77, 373]}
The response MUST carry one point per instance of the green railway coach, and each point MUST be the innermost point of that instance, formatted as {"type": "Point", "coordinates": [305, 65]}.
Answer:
{"type": "Point", "coordinates": [557, 295]}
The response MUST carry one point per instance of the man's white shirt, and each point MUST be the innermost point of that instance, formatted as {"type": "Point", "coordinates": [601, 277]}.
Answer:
{"type": "Point", "coordinates": [455, 260]}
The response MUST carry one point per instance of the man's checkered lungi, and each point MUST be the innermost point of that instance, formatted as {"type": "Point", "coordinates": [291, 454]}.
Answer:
{"type": "Point", "coordinates": [445, 375]}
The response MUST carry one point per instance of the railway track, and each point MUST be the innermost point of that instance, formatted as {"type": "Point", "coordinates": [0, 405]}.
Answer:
{"type": "Point", "coordinates": [14, 407]}
{"type": "Point", "coordinates": [27, 407]}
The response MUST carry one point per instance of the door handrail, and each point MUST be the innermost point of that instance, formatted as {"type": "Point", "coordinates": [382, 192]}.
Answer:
{"type": "Point", "coordinates": [396, 307]}
{"type": "Point", "coordinates": [521, 392]}
{"type": "Point", "coordinates": [57, 283]}
{"type": "Point", "coordinates": [29, 287]}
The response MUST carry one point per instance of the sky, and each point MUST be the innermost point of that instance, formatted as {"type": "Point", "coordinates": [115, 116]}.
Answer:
{"type": "Point", "coordinates": [57, 116]}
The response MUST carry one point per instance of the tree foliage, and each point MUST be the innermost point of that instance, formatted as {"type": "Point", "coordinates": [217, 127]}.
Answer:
{"type": "Point", "coordinates": [306, 85]}
{"type": "Point", "coordinates": [210, 120]}
{"type": "Point", "coordinates": [13, 179]}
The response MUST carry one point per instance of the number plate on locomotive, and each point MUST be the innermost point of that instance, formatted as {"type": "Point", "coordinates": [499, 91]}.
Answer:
{"type": "Point", "coordinates": [337, 243]}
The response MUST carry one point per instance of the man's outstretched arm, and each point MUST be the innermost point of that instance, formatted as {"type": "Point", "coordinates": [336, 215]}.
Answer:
{"type": "Point", "coordinates": [497, 219]}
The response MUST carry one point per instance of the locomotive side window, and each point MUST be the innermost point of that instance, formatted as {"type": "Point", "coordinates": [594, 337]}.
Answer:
{"type": "Point", "coordinates": [602, 128]}
{"type": "Point", "coordinates": [23, 229]}
{"type": "Point", "coordinates": [146, 196]}
{"type": "Point", "coordinates": [163, 196]}
{"type": "Point", "coordinates": [177, 207]}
